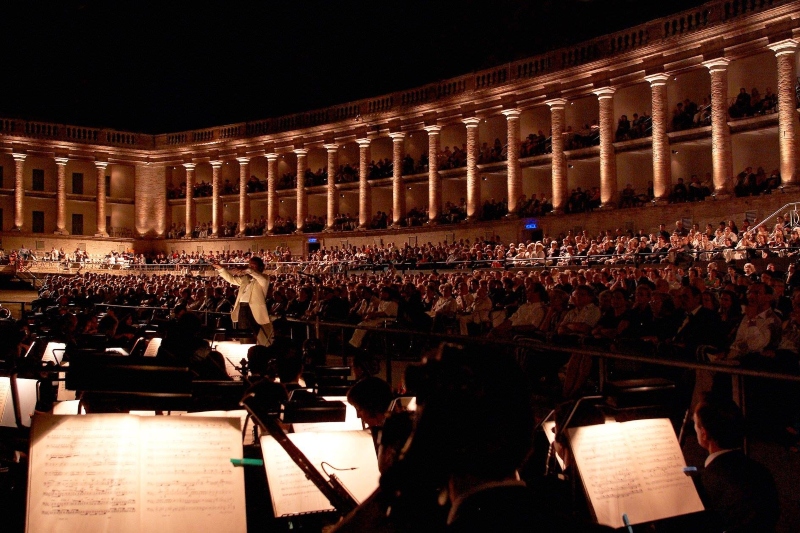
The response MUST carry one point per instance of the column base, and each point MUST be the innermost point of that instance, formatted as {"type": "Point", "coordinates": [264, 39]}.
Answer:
{"type": "Point", "coordinates": [187, 237]}
{"type": "Point", "coordinates": [557, 211]}
{"type": "Point", "coordinates": [395, 225]}
{"type": "Point", "coordinates": [364, 227]}
{"type": "Point", "coordinates": [470, 219]}
{"type": "Point", "coordinates": [608, 206]}
{"type": "Point", "coordinates": [240, 235]}
{"type": "Point", "coordinates": [660, 201]}
{"type": "Point", "coordinates": [101, 234]}
{"type": "Point", "coordinates": [329, 229]}
{"type": "Point", "coordinates": [17, 229]}
{"type": "Point", "coordinates": [213, 236]}
{"type": "Point", "coordinates": [299, 231]}
{"type": "Point", "coordinates": [432, 222]}
{"type": "Point", "coordinates": [722, 195]}
{"type": "Point", "coordinates": [511, 216]}
{"type": "Point", "coordinates": [60, 232]}
{"type": "Point", "coordinates": [789, 187]}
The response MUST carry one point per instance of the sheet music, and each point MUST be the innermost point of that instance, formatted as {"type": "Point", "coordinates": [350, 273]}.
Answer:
{"type": "Point", "coordinates": [188, 481]}
{"type": "Point", "coordinates": [633, 468]}
{"type": "Point", "coordinates": [63, 393]}
{"type": "Point", "coordinates": [54, 352]}
{"type": "Point", "coordinates": [83, 476]}
{"type": "Point", "coordinates": [240, 414]}
{"type": "Point", "coordinates": [152, 347]}
{"type": "Point", "coordinates": [5, 394]}
{"type": "Point", "coordinates": [233, 352]}
{"type": "Point", "coordinates": [131, 474]}
{"type": "Point", "coordinates": [293, 494]}
{"type": "Point", "coordinates": [68, 407]}
{"type": "Point", "coordinates": [351, 420]}
{"type": "Point", "coordinates": [26, 388]}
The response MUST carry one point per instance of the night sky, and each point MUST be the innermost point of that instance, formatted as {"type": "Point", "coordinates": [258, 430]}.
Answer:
{"type": "Point", "coordinates": [167, 66]}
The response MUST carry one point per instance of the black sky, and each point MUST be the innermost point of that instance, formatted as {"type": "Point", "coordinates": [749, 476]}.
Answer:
{"type": "Point", "coordinates": [169, 65]}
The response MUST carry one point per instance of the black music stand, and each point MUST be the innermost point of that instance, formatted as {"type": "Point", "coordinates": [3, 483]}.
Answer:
{"type": "Point", "coordinates": [112, 383]}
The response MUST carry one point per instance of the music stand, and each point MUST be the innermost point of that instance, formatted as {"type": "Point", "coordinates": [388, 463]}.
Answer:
{"type": "Point", "coordinates": [112, 383]}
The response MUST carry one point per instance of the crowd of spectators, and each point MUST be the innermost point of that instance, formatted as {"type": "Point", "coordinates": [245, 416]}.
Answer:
{"type": "Point", "coordinates": [753, 103]}
{"type": "Point", "coordinates": [688, 114]}
{"type": "Point", "coordinates": [639, 126]}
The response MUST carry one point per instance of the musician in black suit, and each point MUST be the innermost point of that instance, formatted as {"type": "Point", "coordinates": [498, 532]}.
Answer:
{"type": "Point", "coordinates": [738, 492]}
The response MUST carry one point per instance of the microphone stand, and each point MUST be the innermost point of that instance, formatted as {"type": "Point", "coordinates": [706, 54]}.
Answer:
{"type": "Point", "coordinates": [332, 489]}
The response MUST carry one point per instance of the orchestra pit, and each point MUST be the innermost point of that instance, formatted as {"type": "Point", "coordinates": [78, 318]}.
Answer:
{"type": "Point", "coordinates": [558, 293]}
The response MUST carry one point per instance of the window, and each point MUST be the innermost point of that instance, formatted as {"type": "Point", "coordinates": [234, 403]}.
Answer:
{"type": "Point", "coordinates": [37, 222]}
{"type": "Point", "coordinates": [77, 224]}
{"type": "Point", "coordinates": [108, 185]}
{"type": "Point", "coordinates": [38, 179]}
{"type": "Point", "coordinates": [77, 183]}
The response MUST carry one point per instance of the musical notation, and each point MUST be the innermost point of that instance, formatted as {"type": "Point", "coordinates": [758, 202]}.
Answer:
{"type": "Point", "coordinates": [633, 468]}
{"type": "Point", "coordinates": [132, 474]}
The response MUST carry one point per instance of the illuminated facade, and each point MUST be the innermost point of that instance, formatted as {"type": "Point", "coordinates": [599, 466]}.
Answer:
{"type": "Point", "coordinates": [65, 180]}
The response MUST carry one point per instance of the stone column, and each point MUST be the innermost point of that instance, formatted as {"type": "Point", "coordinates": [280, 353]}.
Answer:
{"type": "Point", "coordinates": [244, 200]}
{"type": "Point", "coordinates": [513, 170]}
{"type": "Point", "coordinates": [608, 158]}
{"type": "Point", "coordinates": [721, 157]}
{"type": "Point", "coordinates": [558, 161]}
{"type": "Point", "coordinates": [662, 164]}
{"type": "Point", "coordinates": [302, 200]}
{"type": "Point", "coordinates": [398, 191]}
{"type": "Point", "coordinates": [787, 110]}
{"type": "Point", "coordinates": [61, 198]}
{"type": "Point", "coordinates": [102, 231]}
{"type": "Point", "coordinates": [473, 180]}
{"type": "Point", "coordinates": [216, 203]}
{"type": "Point", "coordinates": [272, 197]}
{"type": "Point", "coordinates": [19, 191]}
{"type": "Point", "coordinates": [332, 204]}
{"type": "Point", "coordinates": [191, 209]}
{"type": "Point", "coordinates": [434, 181]}
{"type": "Point", "coordinates": [364, 193]}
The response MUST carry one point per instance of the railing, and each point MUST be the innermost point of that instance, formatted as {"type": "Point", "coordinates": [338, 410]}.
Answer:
{"type": "Point", "coordinates": [792, 214]}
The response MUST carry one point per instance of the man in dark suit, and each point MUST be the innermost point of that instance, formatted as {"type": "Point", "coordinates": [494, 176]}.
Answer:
{"type": "Point", "coordinates": [701, 326]}
{"type": "Point", "coordinates": [738, 492]}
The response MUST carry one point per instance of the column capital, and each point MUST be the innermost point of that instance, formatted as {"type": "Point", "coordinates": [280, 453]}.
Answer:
{"type": "Point", "coordinates": [471, 122]}
{"type": "Point", "coordinates": [719, 64]}
{"type": "Point", "coordinates": [785, 47]}
{"type": "Point", "coordinates": [189, 166]}
{"type": "Point", "coordinates": [243, 160]}
{"type": "Point", "coordinates": [331, 147]}
{"type": "Point", "coordinates": [19, 157]}
{"type": "Point", "coordinates": [511, 113]}
{"type": "Point", "coordinates": [271, 156]}
{"type": "Point", "coordinates": [556, 103]}
{"type": "Point", "coordinates": [605, 92]}
{"type": "Point", "coordinates": [101, 165]}
{"type": "Point", "coordinates": [433, 129]}
{"type": "Point", "coordinates": [62, 161]}
{"type": "Point", "coordinates": [300, 151]}
{"type": "Point", "coordinates": [397, 136]}
{"type": "Point", "coordinates": [656, 80]}
{"type": "Point", "coordinates": [216, 164]}
{"type": "Point", "coordinates": [364, 143]}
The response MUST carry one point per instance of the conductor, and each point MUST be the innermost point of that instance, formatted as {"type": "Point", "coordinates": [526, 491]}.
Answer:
{"type": "Point", "coordinates": [250, 310]}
